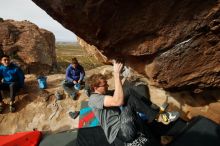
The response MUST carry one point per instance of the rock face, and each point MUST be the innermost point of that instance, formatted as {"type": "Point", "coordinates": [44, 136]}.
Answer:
{"type": "Point", "coordinates": [31, 47]}
{"type": "Point", "coordinates": [173, 43]}
{"type": "Point", "coordinates": [92, 50]}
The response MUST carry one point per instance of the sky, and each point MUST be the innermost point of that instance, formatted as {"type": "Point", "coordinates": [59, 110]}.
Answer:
{"type": "Point", "coordinates": [20, 10]}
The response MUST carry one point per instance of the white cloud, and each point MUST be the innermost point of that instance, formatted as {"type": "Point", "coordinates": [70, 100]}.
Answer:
{"type": "Point", "coordinates": [27, 10]}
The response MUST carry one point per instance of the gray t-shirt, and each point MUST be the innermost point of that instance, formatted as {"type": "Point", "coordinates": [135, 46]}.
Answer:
{"type": "Point", "coordinates": [109, 117]}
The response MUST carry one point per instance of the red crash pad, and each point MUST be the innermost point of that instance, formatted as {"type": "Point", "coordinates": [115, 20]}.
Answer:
{"type": "Point", "coordinates": [21, 139]}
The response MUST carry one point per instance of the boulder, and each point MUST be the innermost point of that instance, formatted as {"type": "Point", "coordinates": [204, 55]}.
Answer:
{"type": "Point", "coordinates": [173, 43]}
{"type": "Point", "coordinates": [28, 45]}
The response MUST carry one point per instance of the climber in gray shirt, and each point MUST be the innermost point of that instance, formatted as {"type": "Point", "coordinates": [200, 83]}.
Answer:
{"type": "Point", "coordinates": [117, 113]}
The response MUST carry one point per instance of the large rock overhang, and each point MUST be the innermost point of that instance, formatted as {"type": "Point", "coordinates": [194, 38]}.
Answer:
{"type": "Point", "coordinates": [174, 43]}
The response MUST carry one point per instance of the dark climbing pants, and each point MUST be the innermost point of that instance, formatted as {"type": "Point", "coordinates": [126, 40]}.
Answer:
{"type": "Point", "coordinates": [136, 101]}
{"type": "Point", "coordinates": [69, 88]}
{"type": "Point", "coordinates": [12, 87]}
{"type": "Point", "coordinates": [129, 121]}
{"type": "Point", "coordinates": [131, 124]}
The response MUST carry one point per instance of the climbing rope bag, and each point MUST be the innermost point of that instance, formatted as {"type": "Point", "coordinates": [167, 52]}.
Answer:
{"type": "Point", "coordinates": [42, 82]}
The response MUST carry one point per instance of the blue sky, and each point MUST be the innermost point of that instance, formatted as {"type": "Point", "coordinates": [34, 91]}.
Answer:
{"type": "Point", "coordinates": [27, 10]}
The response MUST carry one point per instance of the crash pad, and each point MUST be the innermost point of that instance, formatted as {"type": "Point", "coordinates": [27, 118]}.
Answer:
{"type": "Point", "coordinates": [87, 117]}
{"type": "Point", "coordinates": [65, 138]}
{"type": "Point", "coordinates": [21, 139]}
{"type": "Point", "coordinates": [200, 131]}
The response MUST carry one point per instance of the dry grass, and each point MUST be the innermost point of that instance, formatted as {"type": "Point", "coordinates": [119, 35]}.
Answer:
{"type": "Point", "coordinates": [66, 51]}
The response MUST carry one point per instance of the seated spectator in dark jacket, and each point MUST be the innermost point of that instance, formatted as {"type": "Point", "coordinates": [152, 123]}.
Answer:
{"type": "Point", "coordinates": [75, 72]}
{"type": "Point", "coordinates": [12, 78]}
{"type": "Point", "coordinates": [74, 77]}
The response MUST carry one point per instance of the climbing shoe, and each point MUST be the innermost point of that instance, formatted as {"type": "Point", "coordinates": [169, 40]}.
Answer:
{"type": "Point", "coordinates": [163, 107]}
{"type": "Point", "coordinates": [87, 92]}
{"type": "Point", "coordinates": [73, 95]}
{"type": "Point", "coordinates": [12, 107]}
{"type": "Point", "coordinates": [74, 115]}
{"type": "Point", "coordinates": [58, 95]}
{"type": "Point", "coordinates": [168, 117]}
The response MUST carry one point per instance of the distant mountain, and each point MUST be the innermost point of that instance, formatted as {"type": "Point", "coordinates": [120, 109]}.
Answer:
{"type": "Point", "coordinates": [67, 43]}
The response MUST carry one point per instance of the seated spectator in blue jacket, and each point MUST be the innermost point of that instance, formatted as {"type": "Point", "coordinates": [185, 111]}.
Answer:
{"type": "Point", "coordinates": [12, 79]}
{"type": "Point", "coordinates": [74, 75]}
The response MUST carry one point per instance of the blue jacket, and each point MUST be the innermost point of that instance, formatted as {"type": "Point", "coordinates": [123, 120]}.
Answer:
{"type": "Point", "coordinates": [75, 74]}
{"type": "Point", "coordinates": [12, 73]}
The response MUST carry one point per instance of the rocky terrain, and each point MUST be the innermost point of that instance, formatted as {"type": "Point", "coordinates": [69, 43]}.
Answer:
{"type": "Point", "coordinates": [39, 109]}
